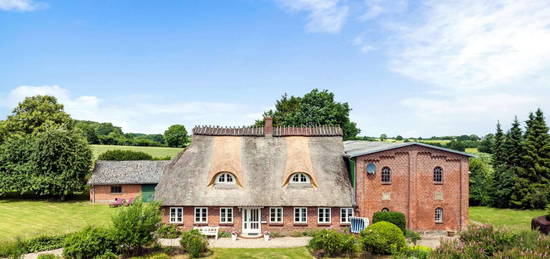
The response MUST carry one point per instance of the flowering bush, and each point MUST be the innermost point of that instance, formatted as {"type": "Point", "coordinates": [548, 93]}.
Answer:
{"type": "Point", "coordinates": [486, 242]}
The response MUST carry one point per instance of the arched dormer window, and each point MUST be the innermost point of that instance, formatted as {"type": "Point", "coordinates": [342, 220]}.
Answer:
{"type": "Point", "coordinates": [225, 178]}
{"type": "Point", "coordinates": [438, 175]}
{"type": "Point", "coordinates": [386, 175]}
{"type": "Point", "coordinates": [299, 178]}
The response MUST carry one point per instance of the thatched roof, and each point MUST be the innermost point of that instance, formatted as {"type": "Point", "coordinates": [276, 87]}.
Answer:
{"type": "Point", "coordinates": [260, 131]}
{"type": "Point", "coordinates": [127, 172]}
{"type": "Point", "coordinates": [354, 148]}
{"type": "Point", "coordinates": [262, 166]}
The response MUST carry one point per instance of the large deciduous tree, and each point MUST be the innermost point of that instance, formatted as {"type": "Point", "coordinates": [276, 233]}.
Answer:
{"type": "Point", "coordinates": [176, 136]}
{"type": "Point", "coordinates": [314, 108]}
{"type": "Point", "coordinates": [35, 114]}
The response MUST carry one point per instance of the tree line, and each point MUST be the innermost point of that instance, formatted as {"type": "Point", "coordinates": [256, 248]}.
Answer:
{"type": "Point", "coordinates": [520, 173]}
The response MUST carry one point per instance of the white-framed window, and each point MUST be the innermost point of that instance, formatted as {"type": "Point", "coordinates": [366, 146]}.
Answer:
{"type": "Point", "coordinates": [438, 175]}
{"type": "Point", "coordinates": [345, 214]}
{"type": "Point", "coordinates": [276, 215]}
{"type": "Point", "coordinates": [300, 215]}
{"type": "Point", "coordinates": [323, 215]}
{"type": "Point", "coordinates": [438, 215]}
{"type": "Point", "coordinates": [201, 215]}
{"type": "Point", "coordinates": [299, 178]}
{"type": "Point", "coordinates": [226, 178]}
{"type": "Point", "coordinates": [226, 215]}
{"type": "Point", "coordinates": [176, 215]}
{"type": "Point", "coordinates": [386, 175]}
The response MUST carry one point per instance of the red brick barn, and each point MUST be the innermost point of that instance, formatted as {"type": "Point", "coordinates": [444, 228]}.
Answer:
{"type": "Point", "coordinates": [113, 180]}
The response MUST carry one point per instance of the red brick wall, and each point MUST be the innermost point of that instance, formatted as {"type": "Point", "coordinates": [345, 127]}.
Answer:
{"type": "Point", "coordinates": [102, 193]}
{"type": "Point", "coordinates": [412, 189]}
{"type": "Point", "coordinates": [287, 226]}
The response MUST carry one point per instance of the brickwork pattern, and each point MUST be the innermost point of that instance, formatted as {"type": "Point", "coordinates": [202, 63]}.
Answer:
{"type": "Point", "coordinates": [102, 193]}
{"type": "Point", "coordinates": [412, 189]}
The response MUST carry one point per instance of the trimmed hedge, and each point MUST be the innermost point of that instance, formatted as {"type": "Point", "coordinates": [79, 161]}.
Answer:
{"type": "Point", "coordinates": [382, 238]}
{"type": "Point", "coordinates": [124, 155]}
{"type": "Point", "coordinates": [332, 243]}
{"type": "Point", "coordinates": [397, 218]}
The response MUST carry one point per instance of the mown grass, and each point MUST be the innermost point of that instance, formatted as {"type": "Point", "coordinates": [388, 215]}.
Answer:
{"type": "Point", "coordinates": [153, 151]}
{"type": "Point", "coordinates": [510, 219]}
{"type": "Point", "coordinates": [234, 253]}
{"type": "Point", "coordinates": [28, 219]}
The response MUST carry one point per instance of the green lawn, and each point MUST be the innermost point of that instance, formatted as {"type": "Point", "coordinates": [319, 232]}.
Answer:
{"type": "Point", "coordinates": [153, 151]}
{"type": "Point", "coordinates": [27, 219]}
{"type": "Point", "coordinates": [515, 220]}
{"type": "Point", "coordinates": [234, 253]}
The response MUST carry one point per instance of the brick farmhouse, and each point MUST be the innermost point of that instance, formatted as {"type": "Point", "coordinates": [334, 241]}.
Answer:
{"type": "Point", "coordinates": [285, 179]}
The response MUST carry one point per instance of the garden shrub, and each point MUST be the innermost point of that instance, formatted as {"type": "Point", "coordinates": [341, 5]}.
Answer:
{"type": "Point", "coordinates": [124, 155]}
{"type": "Point", "coordinates": [485, 242]}
{"type": "Point", "coordinates": [107, 255]}
{"type": "Point", "coordinates": [169, 231]}
{"type": "Point", "coordinates": [48, 256]}
{"type": "Point", "coordinates": [382, 238]}
{"type": "Point", "coordinates": [416, 252]}
{"type": "Point", "coordinates": [332, 243]}
{"type": "Point", "coordinates": [89, 243]}
{"type": "Point", "coordinates": [548, 211]}
{"type": "Point", "coordinates": [44, 243]}
{"type": "Point", "coordinates": [134, 226]}
{"type": "Point", "coordinates": [397, 218]}
{"type": "Point", "coordinates": [13, 249]}
{"type": "Point", "coordinates": [194, 243]}
{"type": "Point", "coordinates": [224, 234]}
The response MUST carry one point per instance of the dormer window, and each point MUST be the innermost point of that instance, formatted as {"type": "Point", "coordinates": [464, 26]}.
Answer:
{"type": "Point", "coordinates": [225, 178]}
{"type": "Point", "coordinates": [299, 178]}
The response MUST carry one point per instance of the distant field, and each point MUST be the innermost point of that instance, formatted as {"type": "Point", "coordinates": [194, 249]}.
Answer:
{"type": "Point", "coordinates": [472, 150]}
{"type": "Point", "coordinates": [27, 219]}
{"type": "Point", "coordinates": [511, 219]}
{"type": "Point", "coordinates": [153, 151]}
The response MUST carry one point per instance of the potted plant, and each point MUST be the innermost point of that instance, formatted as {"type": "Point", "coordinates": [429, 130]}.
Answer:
{"type": "Point", "coordinates": [234, 235]}
{"type": "Point", "coordinates": [266, 235]}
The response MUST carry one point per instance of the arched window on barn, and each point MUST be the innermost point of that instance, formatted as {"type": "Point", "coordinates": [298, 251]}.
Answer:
{"type": "Point", "coordinates": [386, 175]}
{"type": "Point", "coordinates": [438, 217]}
{"type": "Point", "coordinates": [438, 175]}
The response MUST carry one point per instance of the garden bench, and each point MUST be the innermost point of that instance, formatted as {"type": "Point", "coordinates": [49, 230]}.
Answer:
{"type": "Point", "coordinates": [208, 231]}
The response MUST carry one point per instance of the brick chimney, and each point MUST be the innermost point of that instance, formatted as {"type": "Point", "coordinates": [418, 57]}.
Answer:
{"type": "Point", "coordinates": [268, 126]}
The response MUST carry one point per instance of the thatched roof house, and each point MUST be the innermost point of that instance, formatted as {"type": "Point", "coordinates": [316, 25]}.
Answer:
{"type": "Point", "coordinates": [127, 172]}
{"type": "Point", "coordinates": [262, 161]}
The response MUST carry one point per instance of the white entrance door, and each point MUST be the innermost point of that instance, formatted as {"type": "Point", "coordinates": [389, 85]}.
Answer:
{"type": "Point", "coordinates": [251, 221]}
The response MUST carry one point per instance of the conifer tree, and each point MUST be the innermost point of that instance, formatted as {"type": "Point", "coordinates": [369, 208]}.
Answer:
{"type": "Point", "coordinates": [503, 178]}
{"type": "Point", "coordinates": [498, 147]}
{"type": "Point", "coordinates": [533, 186]}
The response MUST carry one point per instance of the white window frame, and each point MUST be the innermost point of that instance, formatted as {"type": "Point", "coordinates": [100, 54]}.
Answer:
{"type": "Point", "coordinates": [224, 219]}
{"type": "Point", "coordinates": [277, 220]}
{"type": "Point", "coordinates": [345, 212]}
{"type": "Point", "coordinates": [222, 178]}
{"type": "Point", "coordinates": [440, 219]}
{"type": "Point", "coordinates": [175, 216]}
{"type": "Point", "coordinates": [322, 215]}
{"type": "Point", "coordinates": [300, 178]}
{"type": "Point", "coordinates": [200, 209]}
{"type": "Point", "coordinates": [302, 211]}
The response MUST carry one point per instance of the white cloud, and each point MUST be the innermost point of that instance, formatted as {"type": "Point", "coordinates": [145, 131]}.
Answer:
{"type": "Point", "coordinates": [376, 8]}
{"type": "Point", "coordinates": [19, 5]}
{"type": "Point", "coordinates": [475, 44]}
{"type": "Point", "coordinates": [364, 47]}
{"type": "Point", "coordinates": [326, 16]}
{"type": "Point", "coordinates": [139, 113]}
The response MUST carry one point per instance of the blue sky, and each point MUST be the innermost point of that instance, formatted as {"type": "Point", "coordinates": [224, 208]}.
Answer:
{"type": "Point", "coordinates": [415, 68]}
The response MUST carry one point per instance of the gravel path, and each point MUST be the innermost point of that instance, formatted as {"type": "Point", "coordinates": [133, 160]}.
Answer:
{"type": "Point", "coordinates": [280, 242]}
{"type": "Point", "coordinates": [35, 255]}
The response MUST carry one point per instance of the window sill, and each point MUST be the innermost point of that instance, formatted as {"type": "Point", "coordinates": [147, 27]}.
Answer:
{"type": "Point", "coordinates": [227, 224]}
{"type": "Point", "coordinates": [275, 223]}
{"type": "Point", "coordinates": [388, 183]}
{"type": "Point", "coordinates": [200, 223]}
{"type": "Point", "coordinates": [438, 183]}
{"type": "Point", "coordinates": [345, 223]}
{"type": "Point", "coordinates": [439, 222]}
{"type": "Point", "coordinates": [323, 224]}
{"type": "Point", "coordinates": [300, 223]}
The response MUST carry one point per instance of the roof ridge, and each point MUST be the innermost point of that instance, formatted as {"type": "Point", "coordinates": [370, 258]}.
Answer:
{"type": "Point", "coordinates": [279, 131]}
